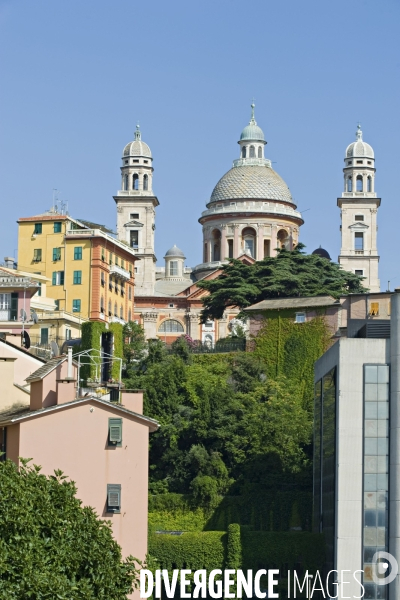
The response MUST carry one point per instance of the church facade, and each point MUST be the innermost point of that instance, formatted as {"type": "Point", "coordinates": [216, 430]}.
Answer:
{"type": "Point", "coordinates": [250, 214]}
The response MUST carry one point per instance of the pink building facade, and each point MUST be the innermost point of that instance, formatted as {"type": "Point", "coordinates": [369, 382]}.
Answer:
{"type": "Point", "coordinates": [101, 446]}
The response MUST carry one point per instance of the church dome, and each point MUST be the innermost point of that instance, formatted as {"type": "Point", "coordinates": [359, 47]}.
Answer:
{"type": "Point", "coordinates": [322, 252]}
{"type": "Point", "coordinates": [259, 182]}
{"type": "Point", "coordinates": [252, 131]}
{"type": "Point", "coordinates": [359, 148]}
{"type": "Point", "coordinates": [175, 252]}
{"type": "Point", "coordinates": [137, 147]}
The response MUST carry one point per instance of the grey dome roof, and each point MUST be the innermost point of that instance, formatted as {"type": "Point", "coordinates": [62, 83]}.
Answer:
{"type": "Point", "coordinates": [359, 148]}
{"type": "Point", "coordinates": [252, 132]}
{"type": "Point", "coordinates": [137, 148]}
{"type": "Point", "coordinates": [260, 182]}
{"type": "Point", "coordinates": [175, 251]}
{"type": "Point", "coordinates": [322, 252]}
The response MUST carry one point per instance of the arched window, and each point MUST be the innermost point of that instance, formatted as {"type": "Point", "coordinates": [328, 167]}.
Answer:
{"type": "Point", "coordinates": [145, 182]}
{"type": "Point", "coordinates": [349, 184]}
{"type": "Point", "coordinates": [121, 312]}
{"type": "Point", "coordinates": [171, 326]}
{"type": "Point", "coordinates": [259, 152]}
{"type": "Point", "coordinates": [115, 310]}
{"type": "Point", "coordinates": [249, 241]}
{"type": "Point", "coordinates": [252, 152]}
{"type": "Point", "coordinates": [244, 152]}
{"type": "Point", "coordinates": [359, 183]}
{"type": "Point", "coordinates": [369, 184]}
{"type": "Point", "coordinates": [283, 239]}
{"type": "Point", "coordinates": [216, 245]}
{"type": "Point", "coordinates": [135, 181]}
{"type": "Point", "coordinates": [126, 182]}
{"type": "Point", "coordinates": [109, 308]}
{"type": "Point", "coordinates": [102, 304]}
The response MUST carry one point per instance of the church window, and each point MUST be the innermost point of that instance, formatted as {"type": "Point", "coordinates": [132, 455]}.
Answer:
{"type": "Point", "coordinates": [252, 152]}
{"type": "Point", "coordinates": [249, 241]}
{"type": "Point", "coordinates": [230, 248]}
{"type": "Point", "coordinates": [259, 152]}
{"type": "Point", "coordinates": [369, 184]}
{"type": "Point", "coordinates": [359, 183]}
{"type": "Point", "coordinates": [135, 181]}
{"type": "Point", "coordinates": [134, 216]}
{"type": "Point", "coordinates": [171, 326]}
{"type": "Point", "coordinates": [126, 182]}
{"type": "Point", "coordinates": [283, 239]}
{"type": "Point", "coordinates": [359, 218]}
{"type": "Point", "coordinates": [359, 241]}
{"type": "Point", "coordinates": [173, 267]}
{"type": "Point", "coordinates": [244, 152]}
{"type": "Point", "coordinates": [369, 162]}
{"type": "Point", "coordinates": [267, 248]}
{"type": "Point", "coordinates": [216, 245]}
{"type": "Point", "coordinates": [134, 239]}
{"type": "Point", "coordinates": [349, 184]}
{"type": "Point", "coordinates": [145, 182]}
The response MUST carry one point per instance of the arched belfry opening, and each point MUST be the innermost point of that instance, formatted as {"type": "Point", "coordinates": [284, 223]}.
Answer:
{"type": "Point", "coordinates": [283, 239]}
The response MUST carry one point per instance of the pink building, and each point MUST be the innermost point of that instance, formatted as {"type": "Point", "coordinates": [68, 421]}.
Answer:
{"type": "Point", "coordinates": [100, 445]}
{"type": "Point", "coordinates": [16, 291]}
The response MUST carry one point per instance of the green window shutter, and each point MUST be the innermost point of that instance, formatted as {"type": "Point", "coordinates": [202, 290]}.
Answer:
{"type": "Point", "coordinates": [57, 227]}
{"type": "Point", "coordinates": [14, 307]}
{"type": "Point", "coordinates": [56, 253]}
{"type": "Point", "coordinates": [115, 432]}
{"type": "Point", "coordinates": [113, 498]}
{"type": "Point", "coordinates": [54, 278]}
{"type": "Point", "coordinates": [78, 253]}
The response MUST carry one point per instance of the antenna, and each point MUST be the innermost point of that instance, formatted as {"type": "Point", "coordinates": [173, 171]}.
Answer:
{"type": "Point", "coordinates": [55, 199]}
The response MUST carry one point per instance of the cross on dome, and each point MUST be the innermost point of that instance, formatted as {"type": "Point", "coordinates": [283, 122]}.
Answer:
{"type": "Point", "coordinates": [359, 132]}
{"type": "Point", "coordinates": [138, 135]}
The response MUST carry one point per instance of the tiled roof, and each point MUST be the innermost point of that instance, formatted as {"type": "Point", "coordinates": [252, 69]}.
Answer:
{"type": "Point", "coordinates": [46, 369]}
{"type": "Point", "coordinates": [260, 182]}
{"type": "Point", "coordinates": [18, 413]}
{"type": "Point", "coordinates": [312, 302]}
{"type": "Point", "coordinates": [23, 350]}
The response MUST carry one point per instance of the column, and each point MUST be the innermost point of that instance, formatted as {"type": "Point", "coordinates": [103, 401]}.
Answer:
{"type": "Point", "coordinates": [274, 239]}
{"type": "Point", "coordinates": [236, 246]}
{"type": "Point", "coordinates": [224, 247]}
{"type": "Point", "coordinates": [260, 242]}
{"type": "Point", "coordinates": [192, 325]}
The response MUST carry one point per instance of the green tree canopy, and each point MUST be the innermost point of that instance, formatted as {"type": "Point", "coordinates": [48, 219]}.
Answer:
{"type": "Point", "coordinates": [53, 547]}
{"type": "Point", "coordinates": [290, 273]}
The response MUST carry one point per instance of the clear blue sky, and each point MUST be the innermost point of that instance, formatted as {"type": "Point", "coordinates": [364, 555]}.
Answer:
{"type": "Point", "coordinates": [76, 76]}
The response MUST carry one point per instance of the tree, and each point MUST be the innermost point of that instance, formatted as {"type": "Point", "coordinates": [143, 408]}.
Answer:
{"type": "Point", "coordinates": [289, 274]}
{"type": "Point", "coordinates": [134, 343]}
{"type": "Point", "coordinates": [53, 547]}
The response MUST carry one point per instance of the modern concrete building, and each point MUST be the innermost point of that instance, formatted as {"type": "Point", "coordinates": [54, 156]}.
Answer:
{"type": "Point", "coordinates": [359, 208]}
{"type": "Point", "coordinates": [357, 446]}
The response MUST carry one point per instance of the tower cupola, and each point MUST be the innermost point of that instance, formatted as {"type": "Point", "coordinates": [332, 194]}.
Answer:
{"type": "Point", "coordinates": [359, 167]}
{"type": "Point", "coordinates": [252, 140]}
{"type": "Point", "coordinates": [137, 169]}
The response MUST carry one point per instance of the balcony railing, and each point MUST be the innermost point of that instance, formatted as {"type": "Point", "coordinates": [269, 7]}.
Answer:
{"type": "Point", "coordinates": [119, 272]}
{"type": "Point", "coordinates": [115, 319]}
{"type": "Point", "coordinates": [5, 314]}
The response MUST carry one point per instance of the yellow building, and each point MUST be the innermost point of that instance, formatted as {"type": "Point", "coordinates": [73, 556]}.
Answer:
{"type": "Point", "coordinates": [91, 274]}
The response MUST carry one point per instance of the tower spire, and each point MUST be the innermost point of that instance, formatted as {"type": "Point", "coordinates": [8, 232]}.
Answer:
{"type": "Point", "coordinates": [138, 134]}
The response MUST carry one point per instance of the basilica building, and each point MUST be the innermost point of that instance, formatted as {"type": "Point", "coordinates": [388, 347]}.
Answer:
{"type": "Point", "coordinates": [250, 214]}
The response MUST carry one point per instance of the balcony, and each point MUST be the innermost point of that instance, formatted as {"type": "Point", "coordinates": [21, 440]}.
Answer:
{"type": "Point", "coordinates": [119, 272]}
{"type": "Point", "coordinates": [115, 319]}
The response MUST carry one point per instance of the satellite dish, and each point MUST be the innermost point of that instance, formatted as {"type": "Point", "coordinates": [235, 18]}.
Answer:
{"type": "Point", "coordinates": [55, 351]}
{"type": "Point", "coordinates": [34, 317]}
{"type": "Point", "coordinates": [23, 315]}
{"type": "Point", "coordinates": [25, 340]}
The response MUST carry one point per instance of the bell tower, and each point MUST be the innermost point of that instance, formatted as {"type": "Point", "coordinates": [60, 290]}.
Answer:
{"type": "Point", "coordinates": [359, 207]}
{"type": "Point", "coordinates": [136, 204]}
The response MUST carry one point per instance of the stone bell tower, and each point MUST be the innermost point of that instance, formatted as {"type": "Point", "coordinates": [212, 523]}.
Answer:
{"type": "Point", "coordinates": [136, 213]}
{"type": "Point", "coordinates": [359, 207]}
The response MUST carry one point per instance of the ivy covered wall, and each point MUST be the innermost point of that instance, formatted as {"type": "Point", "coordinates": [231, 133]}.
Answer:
{"type": "Point", "coordinates": [91, 338]}
{"type": "Point", "coordinates": [291, 349]}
